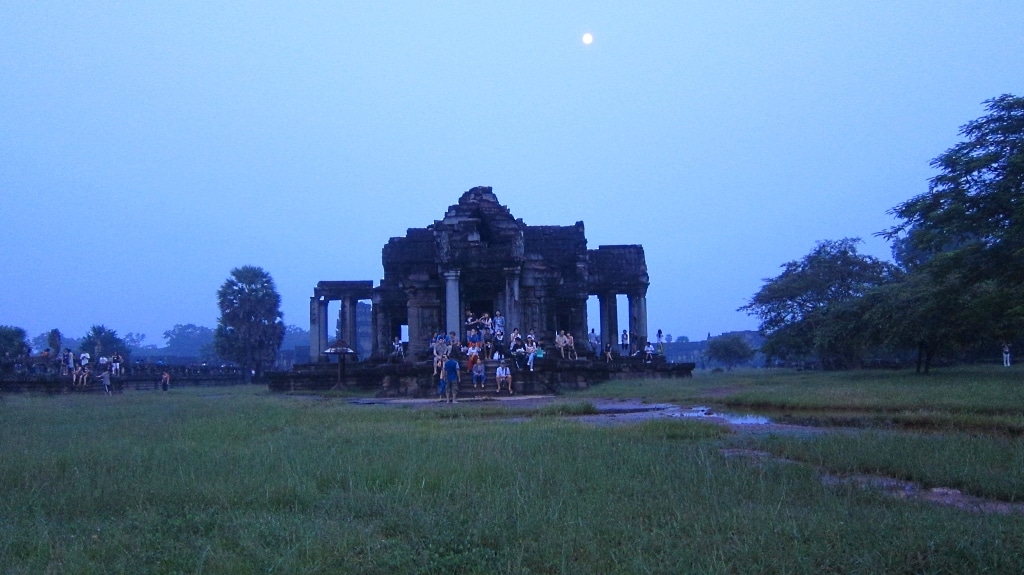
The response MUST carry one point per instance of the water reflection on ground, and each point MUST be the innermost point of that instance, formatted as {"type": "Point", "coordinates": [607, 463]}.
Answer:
{"type": "Point", "coordinates": [701, 412]}
{"type": "Point", "coordinates": [624, 411]}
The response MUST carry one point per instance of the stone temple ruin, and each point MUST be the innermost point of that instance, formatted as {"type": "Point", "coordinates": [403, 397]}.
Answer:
{"type": "Point", "coordinates": [479, 257]}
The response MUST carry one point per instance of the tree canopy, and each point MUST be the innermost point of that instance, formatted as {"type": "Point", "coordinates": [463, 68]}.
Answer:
{"type": "Point", "coordinates": [730, 349]}
{"type": "Point", "coordinates": [188, 340]}
{"type": "Point", "coordinates": [250, 328]}
{"type": "Point", "coordinates": [959, 284]}
{"type": "Point", "coordinates": [13, 342]}
{"type": "Point", "coordinates": [963, 241]}
{"type": "Point", "coordinates": [976, 202]}
{"type": "Point", "coordinates": [795, 307]}
{"type": "Point", "coordinates": [102, 341]}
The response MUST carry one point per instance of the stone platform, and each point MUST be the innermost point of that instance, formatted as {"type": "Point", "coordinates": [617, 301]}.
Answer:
{"type": "Point", "coordinates": [416, 379]}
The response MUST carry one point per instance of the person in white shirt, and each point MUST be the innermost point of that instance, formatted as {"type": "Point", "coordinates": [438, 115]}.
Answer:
{"type": "Point", "coordinates": [503, 375]}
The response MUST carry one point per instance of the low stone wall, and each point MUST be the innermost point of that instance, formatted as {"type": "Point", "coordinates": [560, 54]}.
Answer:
{"type": "Point", "coordinates": [50, 383]}
{"type": "Point", "coordinates": [416, 379]}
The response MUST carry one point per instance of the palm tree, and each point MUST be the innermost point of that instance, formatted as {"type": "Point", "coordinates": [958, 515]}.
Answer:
{"type": "Point", "coordinates": [251, 328]}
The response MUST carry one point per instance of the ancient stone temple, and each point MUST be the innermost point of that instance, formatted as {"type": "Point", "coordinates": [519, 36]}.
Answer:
{"type": "Point", "coordinates": [479, 257]}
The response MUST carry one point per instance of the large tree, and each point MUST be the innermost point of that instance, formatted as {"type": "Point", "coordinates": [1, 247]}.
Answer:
{"type": "Point", "coordinates": [188, 340]}
{"type": "Point", "coordinates": [13, 343]}
{"type": "Point", "coordinates": [250, 329]}
{"type": "Point", "coordinates": [970, 222]}
{"type": "Point", "coordinates": [730, 349]}
{"type": "Point", "coordinates": [962, 243]}
{"type": "Point", "coordinates": [102, 340]}
{"type": "Point", "coordinates": [800, 307]}
{"type": "Point", "coordinates": [936, 316]}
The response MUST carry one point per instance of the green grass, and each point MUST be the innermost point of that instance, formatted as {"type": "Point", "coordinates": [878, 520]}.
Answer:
{"type": "Point", "coordinates": [991, 467]}
{"type": "Point", "coordinates": [982, 399]}
{"type": "Point", "coordinates": [241, 481]}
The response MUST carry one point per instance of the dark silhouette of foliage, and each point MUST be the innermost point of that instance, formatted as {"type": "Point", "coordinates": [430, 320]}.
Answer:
{"type": "Point", "coordinates": [962, 243]}
{"type": "Point", "coordinates": [13, 343]}
{"type": "Point", "coordinates": [188, 340]}
{"type": "Point", "coordinates": [102, 341]}
{"type": "Point", "coordinates": [730, 349]}
{"type": "Point", "coordinates": [250, 329]}
{"type": "Point", "coordinates": [798, 308]}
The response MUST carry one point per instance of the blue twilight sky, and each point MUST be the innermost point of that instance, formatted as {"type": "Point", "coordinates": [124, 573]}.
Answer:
{"type": "Point", "coordinates": [147, 148]}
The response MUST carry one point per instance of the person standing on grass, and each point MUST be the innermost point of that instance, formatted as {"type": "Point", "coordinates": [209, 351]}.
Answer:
{"type": "Point", "coordinates": [439, 372]}
{"type": "Point", "coordinates": [165, 380]}
{"type": "Point", "coordinates": [1006, 354]}
{"type": "Point", "coordinates": [105, 378]}
{"type": "Point", "coordinates": [453, 377]}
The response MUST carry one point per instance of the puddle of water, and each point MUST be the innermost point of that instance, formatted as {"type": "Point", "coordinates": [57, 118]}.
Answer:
{"type": "Point", "coordinates": [701, 412]}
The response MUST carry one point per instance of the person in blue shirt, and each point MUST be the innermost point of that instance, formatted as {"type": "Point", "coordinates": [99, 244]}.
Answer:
{"type": "Point", "coordinates": [453, 377]}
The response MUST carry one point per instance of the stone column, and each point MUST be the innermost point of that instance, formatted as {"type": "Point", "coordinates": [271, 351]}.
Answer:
{"type": "Point", "coordinates": [348, 304]}
{"type": "Point", "coordinates": [453, 322]}
{"type": "Point", "coordinates": [421, 311]}
{"type": "Point", "coordinates": [512, 311]}
{"type": "Point", "coordinates": [378, 341]}
{"type": "Point", "coordinates": [314, 329]}
{"type": "Point", "coordinates": [638, 318]}
{"type": "Point", "coordinates": [317, 329]}
{"type": "Point", "coordinates": [609, 319]}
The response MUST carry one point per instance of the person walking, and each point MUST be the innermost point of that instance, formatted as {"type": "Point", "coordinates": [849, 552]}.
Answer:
{"type": "Point", "coordinates": [1006, 354]}
{"type": "Point", "coordinates": [105, 379]}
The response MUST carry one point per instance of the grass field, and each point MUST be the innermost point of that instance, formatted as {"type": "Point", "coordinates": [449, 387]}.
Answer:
{"type": "Point", "coordinates": [236, 480]}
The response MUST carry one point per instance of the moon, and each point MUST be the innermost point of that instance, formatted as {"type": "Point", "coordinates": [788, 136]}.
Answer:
{"type": "Point", "coordinates": [588, 38]}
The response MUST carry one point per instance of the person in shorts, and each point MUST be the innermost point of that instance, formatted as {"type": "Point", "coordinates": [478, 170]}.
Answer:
{"type": "Point", "coordinates": [453, 377]}
{"type": "Point", "coordinates": [503, 375]}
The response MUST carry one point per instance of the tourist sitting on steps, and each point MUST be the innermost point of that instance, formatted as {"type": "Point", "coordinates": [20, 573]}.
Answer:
{"type": "Point", "coordinates": [503, 376]}
{"type": "Point", "coordinates": [560, 342]}
{"type": "Point", "coordinates": [397, 351]}
{"type": "Point", "coordinates": [531, 351]}
{"type": "Point", "coordinates": [479, 375]}
{"type": "Point", "coordinates": [519, 353]}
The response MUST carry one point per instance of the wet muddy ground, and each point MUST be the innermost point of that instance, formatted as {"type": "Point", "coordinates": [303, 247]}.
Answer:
{"type": "Point", "coordinates": [626, 411]}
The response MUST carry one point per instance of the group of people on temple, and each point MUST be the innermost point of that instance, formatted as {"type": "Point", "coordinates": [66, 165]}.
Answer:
{"type": "Point", "coordinates": [82, 371]}
{"type": "Point", "coordinates": [486, 339]}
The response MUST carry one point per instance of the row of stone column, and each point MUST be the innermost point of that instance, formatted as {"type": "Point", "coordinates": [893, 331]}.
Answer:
{"type": "Point", "coordinates": [609, 308]}
{"type": "Point", "coordinates": [422, 316]}
{"type": "Point", "coordinates": [319, 334]}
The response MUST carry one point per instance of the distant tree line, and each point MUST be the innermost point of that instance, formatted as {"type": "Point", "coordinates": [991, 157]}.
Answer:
{"type": "Point", "coordinates": [250, 332]}
{"type": "Point", "coordinates": [956, 287]}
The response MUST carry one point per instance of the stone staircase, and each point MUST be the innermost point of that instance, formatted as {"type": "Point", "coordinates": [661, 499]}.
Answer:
{"type": "Point", "coordinates": [522, 381]}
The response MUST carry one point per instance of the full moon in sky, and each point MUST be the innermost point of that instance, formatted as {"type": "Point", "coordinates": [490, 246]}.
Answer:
{"type": "Point", "coordinates": [588, 38]}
